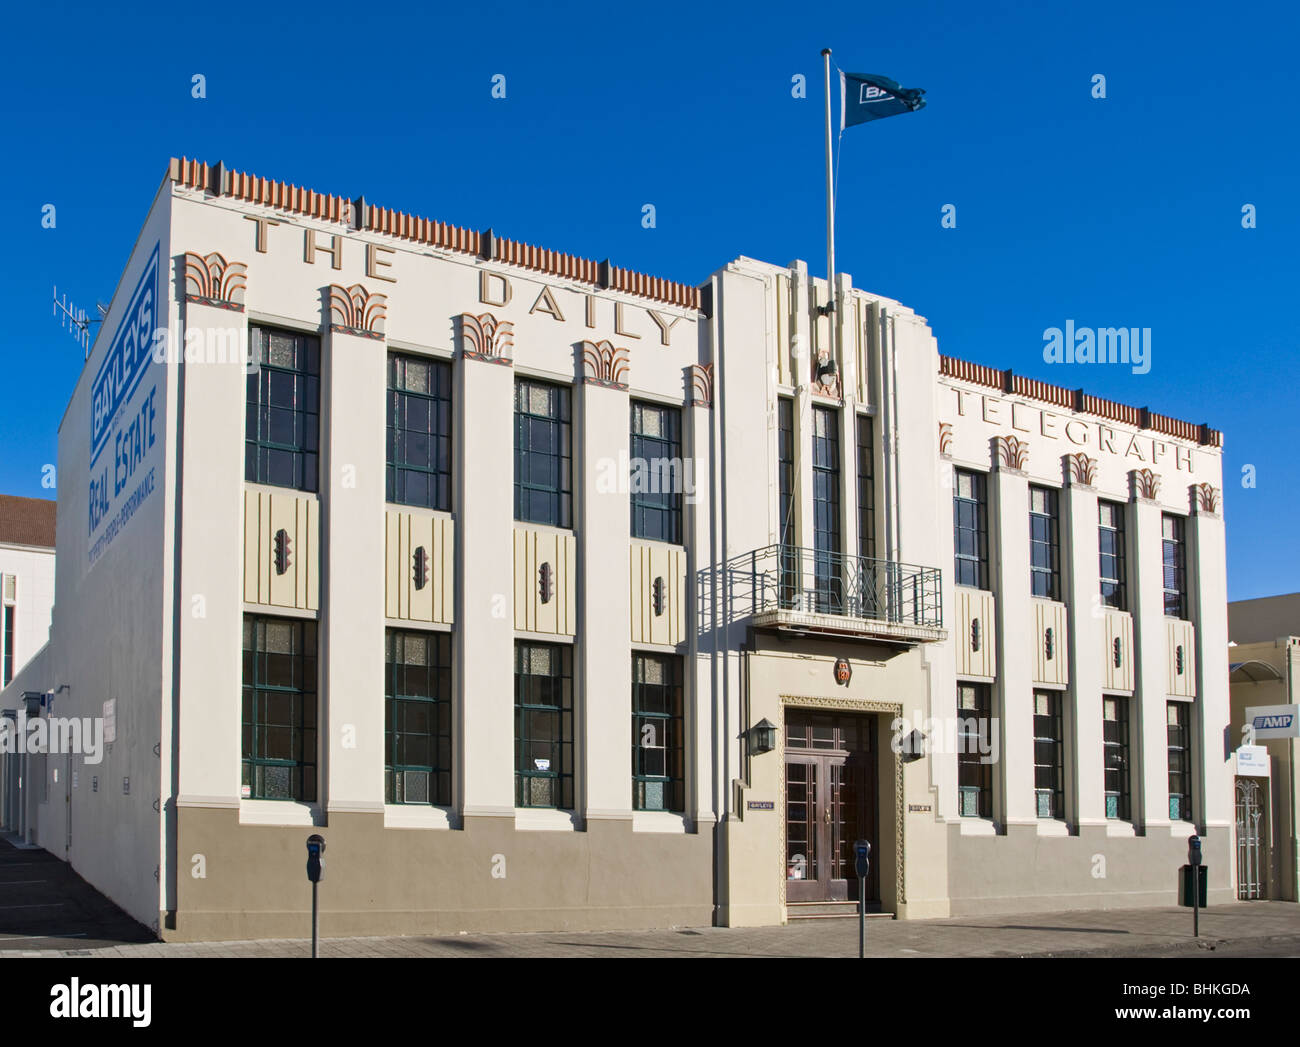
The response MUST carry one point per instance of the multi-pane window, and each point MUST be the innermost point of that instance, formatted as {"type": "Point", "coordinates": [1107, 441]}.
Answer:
{"type": "Point", "coordinates": [1175, 565]}
{"type": "Point", "coordinates": [282, 418]}
{"type": "Point", "coordinates": [974, 772]}
{"type": "Point", "coordinates": [1115, 743]}
{"type": "Point", "coordinates": [419, 432]}
{"type": "Point", "coordinates": [657, 477]}
{"type": "Point", "coordinates": [970, 528]}
{"type": "Point", "coordinates": [9, 646]}
{"type": "Point", "coordinates": [543, 462]}
{"type": "Point", "coordinates": [785, 510]}
{"type": "Point", "coordinates": [658, 742]}
{"type": "Point", "coordinates": [1110, 542]}
{"type": "Point", "coordinates": [543, 725]}
{"type": "Point", "coordinates": [1044, 544]}
{"type": "Point", "coordinates": [279, 709]}
{"type": "Point", "coordinates": [417, 717]}
{"type": "Point", "coordinates": [1180, 761]}
{"type": "Point", "coordinates": [1049, 755]}
{"type": "Point", "coordinates": [866, 489]}
{"type": "Point", "coordinates": [826, 508]}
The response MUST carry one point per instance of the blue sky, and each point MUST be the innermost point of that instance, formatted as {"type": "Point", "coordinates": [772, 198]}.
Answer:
{"type": "Point", "coordinates": [1123, 211]}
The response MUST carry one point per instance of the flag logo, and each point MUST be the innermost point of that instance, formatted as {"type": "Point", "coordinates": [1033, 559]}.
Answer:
{"type": "Point", "coordinates": [867, 96]}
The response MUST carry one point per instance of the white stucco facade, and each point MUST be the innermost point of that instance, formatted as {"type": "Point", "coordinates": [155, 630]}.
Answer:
{"type": "Point", "coordinates": [186, 547]}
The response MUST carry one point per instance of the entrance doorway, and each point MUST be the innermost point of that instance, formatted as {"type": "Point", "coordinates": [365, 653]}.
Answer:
{"type": "Point", "coordinates": [830, 801]}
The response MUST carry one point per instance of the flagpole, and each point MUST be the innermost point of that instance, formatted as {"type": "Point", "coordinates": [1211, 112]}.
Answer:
{"type": "Point", "coordinates": [830, 212]}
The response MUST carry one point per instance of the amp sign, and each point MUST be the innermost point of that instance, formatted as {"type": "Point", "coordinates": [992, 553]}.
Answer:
{"type": "Point", "coordinates": [1274, 721]}
{"type": "Point", "coordinates": [124, 418]}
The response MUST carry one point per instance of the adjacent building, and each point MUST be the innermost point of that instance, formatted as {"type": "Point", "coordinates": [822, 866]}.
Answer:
{"type": "Point", "coordinates": [26, 597]}
{"type": "Point", "coordinates": [1264, 670]}
{"type": "Point", "coordinates": [555, 595]}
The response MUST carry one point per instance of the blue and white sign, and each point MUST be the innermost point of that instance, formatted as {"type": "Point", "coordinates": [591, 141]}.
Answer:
{"type": "Point", "coordinates": [1274, 721]}
{"type": "Point", "coordinates": [124, 417]}
{"type": "Point", "coordinates": [1252, 761]}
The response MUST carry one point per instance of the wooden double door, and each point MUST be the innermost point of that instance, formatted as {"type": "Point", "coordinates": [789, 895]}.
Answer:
{"type": "Point", "coordinates": [830, 802]}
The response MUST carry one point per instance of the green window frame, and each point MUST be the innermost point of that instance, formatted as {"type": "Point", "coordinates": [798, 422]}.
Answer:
{"type": "Point", "coordinates": [971, 528]}
{"type": "Point", "coordinates": [417, 717]}
{"type": "Point", "coordinates": [9, 645]}
{"type": "Point", "coordinates": [827, 540]}
{"type": "Point", "coordinates": [658, 734]}
{"type": "Point", "coordinates": [279, 717]}
{"type": "Point", "coordinates": [1113, 555]}
{"type": "Point", "coordinates": [1178, 719]}
{"type": "Point", "coordinates": [543, 453]}
{"type": "Point", "coordinates": [1115, 751]}
{"type": "Point", "coordinates": [1174, 558]}
{"type": "Point", "coordinates": [282, 414]}
{"type": "Point", "coordinates": [543, 725]}
{"type": "Point", "coordinates": [656, 441]}
{"type": "Point", "coordinates": [866, 487]}
{"type": "Point", "coordinates": [1044, 543]}
{"type": "Point", "coordinates": [419, 432]}
{"type": "Point", "coordinates": [1049, 755]}
{"type": "Point", "coordinates": [974, 773]}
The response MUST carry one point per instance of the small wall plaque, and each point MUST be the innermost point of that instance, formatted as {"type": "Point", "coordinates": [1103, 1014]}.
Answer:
{"type": "Point", "coordinates": [760, 805]}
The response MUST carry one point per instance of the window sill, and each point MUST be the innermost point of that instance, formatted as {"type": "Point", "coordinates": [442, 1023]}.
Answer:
{"type": "Point", "coordinates": [977, 827]}
{"type": "Point", "coordinates": [1182, 830]}
{"type": "Point", "coordinates": [540, 819]}
{"type": "Point", "coordinates": [279, 812]}
{"type": "Point", "coordinates": [659, 822]}
{"type": "Point", "coordinates": [416, 816]}
{"type": "Point", "coordinates": [1116, 827]}
{"type": "Point", "coordinates": [1052, 827]}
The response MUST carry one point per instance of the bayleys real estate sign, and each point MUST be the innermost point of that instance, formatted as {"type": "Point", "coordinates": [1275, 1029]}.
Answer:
{"type": "Point", "coordinates": [124, 410]}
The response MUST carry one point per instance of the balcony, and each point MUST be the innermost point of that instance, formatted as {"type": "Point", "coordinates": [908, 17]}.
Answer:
{"type": "Point", "coordinates": [804, 591]}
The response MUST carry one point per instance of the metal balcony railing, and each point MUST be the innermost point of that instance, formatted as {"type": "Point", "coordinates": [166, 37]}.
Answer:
{"type": "Point", "coordinates": [796, 579]}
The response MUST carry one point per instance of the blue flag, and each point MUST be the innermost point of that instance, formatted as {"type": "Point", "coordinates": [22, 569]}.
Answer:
{"type": "Point", "coordinates": [866, 96]}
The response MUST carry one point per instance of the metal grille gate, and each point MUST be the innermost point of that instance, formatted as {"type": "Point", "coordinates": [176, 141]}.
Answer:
{"type": "Point", "coordinates": [1250, 849]}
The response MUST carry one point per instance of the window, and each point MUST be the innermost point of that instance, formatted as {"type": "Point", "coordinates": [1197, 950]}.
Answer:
{"type": "Point", "coordinates": [658, 741]}
{"type": "Point", "coordinates": [279, 713]}
{"type": "Point", "coordinates": [974, 772]}
{"type": "Point", "coordinates": [1180, 761]}
{"type": "Point", "coordinates": [1115, 742]}
{"type": "Point", "coordinates": [970, 528]}
{"type": "Point", "coordinates": [1175, 565]}
{"type": "Point", "coordinates": [282, 419]}
{"type": "Point", "coordinates": [8, 646]}
{"type": "Point", "coordinates": [1049, 762]}
{"type": "Point", "coordinates": [657, 456]}
{"type": "Point", "coordinates": [866, 489]}
{"type": "Point", "coordinates": [1044, 544]}
{"type": "Point", "coordinates": [1110, 541]}
{"type": "Point", "coordinates": [785, 510]}
{"type": "Point", "coordinates": [543, 725]}
{"type": "Point", "coordinates": [826, 509]}
{"type": "Point", "coordinates": [543, 466]}
{"type": "Point", "coordinates": [417, 717]}
{"type": "Point", "coordinates": [419, 432]}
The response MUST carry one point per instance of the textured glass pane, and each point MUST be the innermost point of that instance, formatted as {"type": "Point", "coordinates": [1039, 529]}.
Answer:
{"type": "Point", "coordinates": [540, 661]}
{"type": "Point", "coordinates": [276, 783]}
{"type": "Point", "coordinates": [1112, 806]}
{"type": "Point", "coordinates": [539, 400]}
{"type": "Point", "coordinates": [278, 638]}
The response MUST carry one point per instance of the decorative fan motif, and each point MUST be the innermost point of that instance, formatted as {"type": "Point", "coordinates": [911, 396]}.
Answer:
{"type": "Point", "coordinates": [1146, 484]}
{"type": "Point", "coordinates": [211, 280]}
{"type": "Point", "coordinates": [605, 364]}
{"type": "Point", "coordinates": [1012, 452]}
{"type": "Point", "coordinates": [354, 310]}
{"type": "Point", "coordinates": [484, 337]}
{"type": "Point", "coordinates": [701, 377]}
{"type": "Point", "coordinates": [1081, 469]}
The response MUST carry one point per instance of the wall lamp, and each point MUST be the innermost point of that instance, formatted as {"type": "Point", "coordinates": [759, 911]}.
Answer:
{"type": "Point", "coordinates": [762, 737]}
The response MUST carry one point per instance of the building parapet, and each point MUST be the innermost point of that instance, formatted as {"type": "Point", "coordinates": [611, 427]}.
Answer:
{"type": "Point", "coordinates": [1077, 400]}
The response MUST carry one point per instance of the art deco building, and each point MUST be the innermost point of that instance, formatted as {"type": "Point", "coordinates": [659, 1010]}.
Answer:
{"type": "Point", "coordinates": [555, 595]}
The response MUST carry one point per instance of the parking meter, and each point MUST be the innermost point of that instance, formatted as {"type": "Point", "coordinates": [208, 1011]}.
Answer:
{"type": "Point", "coordinates": [862, 852]}
{"type": "Point", "coordinates": [315, 848]}
{"type": "Point", "coordinates": [862, 861]}
{"type": "Point", "coordinates": [1194, 860]}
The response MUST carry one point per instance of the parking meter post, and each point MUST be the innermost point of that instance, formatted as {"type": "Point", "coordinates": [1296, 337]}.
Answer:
{"type": "Point", "coordinates": [1194, 860]}
{"type": "Point", "coordinates": [315, 873]}
{"type": "Point", "coordinates": [862, 859]}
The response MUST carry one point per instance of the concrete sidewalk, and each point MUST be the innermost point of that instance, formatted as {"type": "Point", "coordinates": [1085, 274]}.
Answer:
{"type": "Point", "coordinates": [1238, 929]}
